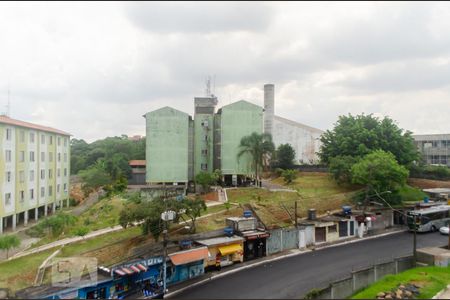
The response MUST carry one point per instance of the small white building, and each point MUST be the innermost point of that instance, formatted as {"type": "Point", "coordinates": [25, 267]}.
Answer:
{"type": "Point", "coordinates": [304, 139]}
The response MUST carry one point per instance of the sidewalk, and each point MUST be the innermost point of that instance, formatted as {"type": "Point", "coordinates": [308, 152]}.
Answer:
{"type": "Point", "coordinates": [444, 294]}
{"type": "Point", "coordinates": [177, 288]}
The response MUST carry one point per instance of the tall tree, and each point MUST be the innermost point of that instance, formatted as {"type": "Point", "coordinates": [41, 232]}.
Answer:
{"type": "Point", "coordinates": [359, 135]}
{"type": "Point", "coordinates": [285, 156]}
{"type": "Point", "coordinates": [259, 146]}
{"type": "Point", "coordinates": [379, 172]}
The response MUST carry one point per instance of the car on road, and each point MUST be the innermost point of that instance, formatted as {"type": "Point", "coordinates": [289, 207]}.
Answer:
{"type": "Point", "coordinates": [444, 230]}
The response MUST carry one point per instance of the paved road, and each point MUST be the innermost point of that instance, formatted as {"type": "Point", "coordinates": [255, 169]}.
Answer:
{"type": "Point", "coordinates": [293, 277]}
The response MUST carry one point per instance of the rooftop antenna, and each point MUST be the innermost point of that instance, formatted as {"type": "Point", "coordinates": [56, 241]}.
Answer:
{"type": "Point", "coordinates": [208, 86]}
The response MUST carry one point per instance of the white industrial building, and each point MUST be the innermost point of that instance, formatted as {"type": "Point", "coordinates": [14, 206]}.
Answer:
{"type": "Point", "coordinates": [304, 139]}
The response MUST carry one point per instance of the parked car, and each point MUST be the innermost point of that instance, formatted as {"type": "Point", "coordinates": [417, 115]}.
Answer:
{"type": "Point", "coordinates": [444, 230]}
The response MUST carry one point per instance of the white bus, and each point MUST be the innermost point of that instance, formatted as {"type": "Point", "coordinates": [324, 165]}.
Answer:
{"type": "Point", "coordinates": [429, 219]}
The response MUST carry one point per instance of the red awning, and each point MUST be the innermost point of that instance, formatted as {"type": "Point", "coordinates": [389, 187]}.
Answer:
{"type": "Point", "coordinates": [135, 269]}
{"type": "Point", "coordinates": [185, 257]}
{"type": "Point", "coordinates": [141, 267]}
{"type": "Point", "coordinates": [119, 272]}
{"type": "Point", "coordinates": [127, 271]}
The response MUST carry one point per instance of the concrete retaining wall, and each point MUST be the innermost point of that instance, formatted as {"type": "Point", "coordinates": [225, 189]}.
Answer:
{"type": "Point", "coordinates": [384, 269]}
{"type": "Point", "coordinates": [360, 279]}
{"type": "Point", "coordinates": [363, 278]}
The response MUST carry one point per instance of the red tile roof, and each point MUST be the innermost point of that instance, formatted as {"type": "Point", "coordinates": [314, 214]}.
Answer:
{"type": "Point", "coordinates": [8, 120]}
{"type": "Point", "coordinates": [137, 163]}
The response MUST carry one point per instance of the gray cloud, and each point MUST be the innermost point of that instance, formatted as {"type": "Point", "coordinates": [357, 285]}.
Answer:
{"type": "Point", "coordinates": [167, 17]}
{"type": "Point", "coordinates": [95, 69]}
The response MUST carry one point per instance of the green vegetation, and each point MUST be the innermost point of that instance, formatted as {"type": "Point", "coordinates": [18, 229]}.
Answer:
{"type": "Point", "coordinates": [357, 136]}
{"type": "Point", "coordinates": [340, 168]}
{"type": "Point", "coordinates": [112, 152]}
{"type": "Point", "coordinates": [259, 147]}
{"type": "Point", "coordinates": [430, 172]}
{"type": "Point", "coordinates": [150, 213]}
{"type": "Point", "coordinates": [284, 157]}
{"type": "Point", "coordinates": [103, 214]}
{"type": "Point", "coordinates": [432, 280]}
{"type": "Point", "coordinates": [289, 176]}
{"type": "Point", "coordinates": [380, 172]}
{"type": "Point", "coordinates": [8, 242]}
{"type": "Point", "coordinates": [206, 179]}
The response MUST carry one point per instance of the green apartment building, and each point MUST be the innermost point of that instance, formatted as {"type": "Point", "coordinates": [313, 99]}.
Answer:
{"type": "Point", "coordinates": [178, 148]}
{"type": "Point", "coordinates": [34, 171]}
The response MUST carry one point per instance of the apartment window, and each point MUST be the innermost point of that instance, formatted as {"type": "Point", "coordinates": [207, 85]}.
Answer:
{"type": "Point", "coordinates": [50, 174]}
{"type": "Point", "coordinates": [204, 166]}
{"type": "Point", "coordinates": [31, 156]}
{"type": "Point", "coordinates": [205, 152]}
{"type": "Point", "coordinates": [7, 198]}
{"type": "Point", "coordinates": [332, 228]}
{"type": "Point", "coordinates": [65, 172]}
{"type": "Point", "coordinates": [58, 172]}
{"type": "Point", "coordinates": [32, 175]}
{"type": "Point", "coordinates": [22, 196]}
{"type": "Point", "coordinates": [22, 136]}
{"type": "Point", "coordinates": [8, 176]}
{"type": "Point", "coordinates": [65, 157]}
{"type": "Point", "coordinates": [8, 155]}
{"type": "Point", "coordinates": [42, 191]}
{"type": "Point", "coordinates": [42, 174]}
{"type": "Point", "coordinates": [50, 191]}
{"type": "Point", "coordinates": [206, 137]}
{"type": "Point", "coordinates": [31, 137]}
{"type": "Point", "coordinates": [59, 157]}
{"type": "Point", "coordinates": [50, 138]}
{"type": "Point", "coordinates": [65, 188]}
{"type": "Point", "coordinates": [8, 134]}
{"type": "Point", "coordinates": [58, 188]}
{"type": "Point", "coordinates": [65, 142]}
{"type": "Point", "coordinates": [42, 156]}
{"type": "Point", "coordinates": [31, 194]}
{"type": "Point", "coordinates": [59, 141]}
{"type": "Point", "coordinates": [22, 156]}
{"type": "Point", "coordinates": [22, 176]}
{"type": "Point", "coordinates": [50, 156]}
{"type": "Point", "coordinates": [42, 139]}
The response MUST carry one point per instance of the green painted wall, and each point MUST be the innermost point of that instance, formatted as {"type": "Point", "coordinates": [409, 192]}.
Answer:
{"type": "Point", "coordinates": [238, 119]}
{"type": "Point", "coordinates": [200, 132]}
{"type": "Point", "coordinates": [167, 148]}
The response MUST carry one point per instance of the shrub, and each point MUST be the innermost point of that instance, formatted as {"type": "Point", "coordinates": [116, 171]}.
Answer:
{"type": "Point", "coordinates": [289, 176]}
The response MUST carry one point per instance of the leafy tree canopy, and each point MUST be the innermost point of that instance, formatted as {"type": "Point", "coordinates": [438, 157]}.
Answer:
{"type": "Point", "coordinates": [259, 146]}
{"type": "Point", "coordinates": [285, 156]}
{"type": "Point", "coordinates": [379, 172]}
{"type": "Point", "coordinates": [359, 135]}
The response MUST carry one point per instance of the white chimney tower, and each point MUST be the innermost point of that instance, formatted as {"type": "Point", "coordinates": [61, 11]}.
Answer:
{"type": "Point", "coordinates": [269, 107]}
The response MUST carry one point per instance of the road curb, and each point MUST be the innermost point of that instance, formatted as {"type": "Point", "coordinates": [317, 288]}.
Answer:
{"type": "Point", "coordinates": [297, 252]}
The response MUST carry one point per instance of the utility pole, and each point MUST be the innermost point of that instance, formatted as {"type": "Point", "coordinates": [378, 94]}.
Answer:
{"type": "Point", "coordinates": [415, 241]}
{"type": "Point", "coordinates": [295, 214]}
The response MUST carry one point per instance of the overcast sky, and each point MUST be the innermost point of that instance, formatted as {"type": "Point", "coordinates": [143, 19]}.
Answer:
{"type": "Point", "coordinates": [93, 69]}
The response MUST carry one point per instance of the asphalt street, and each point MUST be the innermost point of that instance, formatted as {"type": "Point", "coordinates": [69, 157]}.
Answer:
{"type": "Point", "coordinates": [294, 276]}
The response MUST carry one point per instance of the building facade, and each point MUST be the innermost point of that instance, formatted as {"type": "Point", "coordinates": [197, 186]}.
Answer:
{"type": "Point", "coordinates": [178, 147]}
{"type": "Point", "coordinates": [34, 171]}
{"type": "Point", "coordinates": [167, 146]}
{"type": "Point", "coordinates": [435, 148]}
{"type": "Point", "coordinates": [304, 139]}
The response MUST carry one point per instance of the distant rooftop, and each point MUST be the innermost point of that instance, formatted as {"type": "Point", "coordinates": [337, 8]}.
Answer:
{"type": "Point", "coordinates": [220, 240]}
{"type": "Point", "coordinates": [297, 124]}
{"type": "Point", "coordinates": [137, 163]}
{"type": "Point", "coordinates": [10, 121]}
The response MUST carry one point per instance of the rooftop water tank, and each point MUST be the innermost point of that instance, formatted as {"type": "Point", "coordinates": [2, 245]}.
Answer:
{"type": "Point", "coordinates": [311, 214]}
{"type": "Point", "coordinates": [247, 213]}
{"type": "Point", "coordinates": [346, 209]}
{"type": "Point", "coordinates": [228, 231]}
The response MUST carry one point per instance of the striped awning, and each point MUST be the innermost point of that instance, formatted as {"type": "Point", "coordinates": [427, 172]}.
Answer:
{"type": "Point", "coordinates": [137, 268]}
{"type": "Point", "coordinates": [141, 267]}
